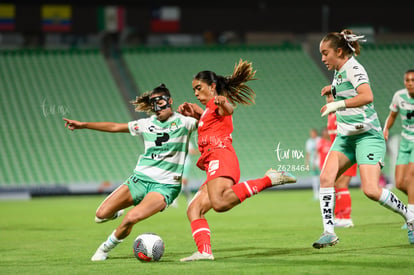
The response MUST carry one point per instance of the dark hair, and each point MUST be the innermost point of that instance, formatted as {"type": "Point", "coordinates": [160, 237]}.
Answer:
{"type": "Point", "coordinates": [233, 87]}
{"type": "Point", "coordinates": [142, 103]}
{"type": "Point", "coordinates": [345, 40]}
{"type": "Point", "coordinates": [409, 71]}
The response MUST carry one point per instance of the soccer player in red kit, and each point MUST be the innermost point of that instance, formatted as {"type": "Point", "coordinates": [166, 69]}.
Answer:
{"type": "Point", "coordinates": [222, 189]}
{"type": "Point", "coordinates": [343, 202]}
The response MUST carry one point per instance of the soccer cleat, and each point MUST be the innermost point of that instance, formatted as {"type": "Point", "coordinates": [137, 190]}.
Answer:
{"type": "Point", "coordinates": [100, 254]}
{"type": "Point", "coordinates": [345, 223]}
{"type": "Point", "coordinates": [198, 256]}
{"type": "Point", "coordinates": [280, 177]}
{"type": "Point", "coordinates": [117, 214]}
{"type": "Point", "coordinates": [410, 227]}
{"type": "Point", "coordinates": [326, 239]}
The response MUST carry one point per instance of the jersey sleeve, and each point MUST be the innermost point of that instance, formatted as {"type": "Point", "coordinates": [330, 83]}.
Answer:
{"type": "Point", "coordinates": [394, 104]}
{"type": "Point", "coordinates": [135, 127]}
{"type": "Point", "coordinates": [190, 123]}
{"type": "Point", "coordinates": [358, 76]}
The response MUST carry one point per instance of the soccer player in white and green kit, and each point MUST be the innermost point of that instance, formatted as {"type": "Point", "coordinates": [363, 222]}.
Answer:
{"type": "Point", "coordinates": [403, 103]}
{"type": "Point", "coordinates": [359, 139]}
{"type": "Point", "coordinates": [156, 180]}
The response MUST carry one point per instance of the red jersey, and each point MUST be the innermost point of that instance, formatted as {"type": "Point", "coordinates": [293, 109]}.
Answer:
{"type": "Point", "coordinates": [218, 157]}
{"type": "Point", "coordinates": [214, 130]}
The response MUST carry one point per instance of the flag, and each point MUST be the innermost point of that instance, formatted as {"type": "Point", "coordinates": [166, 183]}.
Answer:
{"type": "Point", "coordinates": [111, 18]}
{"type": "Point", "coordinates": [166, 19]}
{"type": "Point", "coordinates": [56, 18]}
{"type": "Point", "coordinates": [7, 17]}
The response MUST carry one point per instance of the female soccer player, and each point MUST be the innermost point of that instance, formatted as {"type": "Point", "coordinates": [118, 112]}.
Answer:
{"type": "Point", "coordinates": [403, 103]}
{"type": "Point", "coordinates": [222, 189]}
{"type": "Point", "coordinates": [359, 138]}
{"type": "Point", "coordinates": [156, 181]}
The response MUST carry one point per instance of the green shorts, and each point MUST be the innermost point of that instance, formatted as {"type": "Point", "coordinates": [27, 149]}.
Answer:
{"type": "Point", "coordinates": [140, 188]}
{"type": "Point", "coordinates": [365, 148]}
{"type": "Point", "coordinates": [406, 152]}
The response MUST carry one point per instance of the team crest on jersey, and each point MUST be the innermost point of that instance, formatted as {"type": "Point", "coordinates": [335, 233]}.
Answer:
{"type": "Point", "coordinates": [338, 79]}
{"type": "Point", "coordinates": [135, 126]}
{"type": "Point", "coordinates": [173, 126]}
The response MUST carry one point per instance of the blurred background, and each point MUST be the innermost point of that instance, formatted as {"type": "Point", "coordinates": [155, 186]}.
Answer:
{"type": "Point", "coordinates": [86, 60]}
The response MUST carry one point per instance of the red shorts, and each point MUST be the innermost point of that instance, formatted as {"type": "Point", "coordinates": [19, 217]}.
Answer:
{"type": "Point", "coordinates": [352, 171]}
{"type": "Point", "coordinates": [220, 162]}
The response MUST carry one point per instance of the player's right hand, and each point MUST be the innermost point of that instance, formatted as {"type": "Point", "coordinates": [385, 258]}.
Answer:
{"type": "Point", "coordinates": [326, 90]}
{"type": "Point", "coordinates": [186, 109]}
{"type": "Point", "coordinates": [73, 124]}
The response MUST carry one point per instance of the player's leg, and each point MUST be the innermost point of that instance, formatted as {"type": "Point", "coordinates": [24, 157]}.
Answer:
{"type": "Point", "coordinates": [198, 207]}
{"type": "Point", "coordinates": [152, 203]}
{"type": "Point", "coordinates": [335, 163]}
{"type": "Point", "coordinates": [369, 182]}
{"type": "Point", "coordinates": [343, 201]}
{"type": "Point", "coordinates": [405, 155]}
{"type": "Point", "coordinates": [223, 175]}
{"type": "Point", "coordinates": [370, 152]}
{"type": "Point", "coordinates": [409, 178]}
{"type": "Point", "coordinates": [113, 206]}
{"type": "Point", "coordinates": [400, 183]}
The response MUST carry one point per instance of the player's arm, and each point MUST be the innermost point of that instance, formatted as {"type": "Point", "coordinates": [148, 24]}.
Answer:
{"type": "Point", "coordinates": [111, 127]}
{"type": "Point", "coordinates": [363, 97]}
{"type": "Point", "coordinates": [190, 109]}
{"type": "Point", "coordinates": [224, 107]}
{"type": "Point", "coordinates": [388, 123]}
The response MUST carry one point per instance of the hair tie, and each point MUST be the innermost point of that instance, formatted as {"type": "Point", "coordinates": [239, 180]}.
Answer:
{"type": "Point", "coordinates": [352, 38]}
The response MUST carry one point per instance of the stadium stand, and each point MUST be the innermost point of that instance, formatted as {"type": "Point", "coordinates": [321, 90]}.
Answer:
{"type": "Point", "coordinates": [38, 89]}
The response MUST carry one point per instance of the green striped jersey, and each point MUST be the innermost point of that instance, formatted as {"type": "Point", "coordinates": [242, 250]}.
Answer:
{"type": "Point", "coordinates": [403, 103]}
{"type": "Point", "coordinates": [352, 121]}
{"type": "Point", "coordinates": [166, 147]}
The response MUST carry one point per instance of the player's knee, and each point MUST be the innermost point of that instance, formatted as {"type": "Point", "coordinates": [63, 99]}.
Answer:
{"type": "Point", "coordinates": [100, 217]}
{"type": "Point", "coordinates": [372, 193]}
{"type": "Point", "coordinates": [325, 180]}
{"type": "Point", "coordinates": [401, 184]}
{"type": "Point", "coordinates": [100, 220]}
{"type": "Point", "coordinates": [219, 205]}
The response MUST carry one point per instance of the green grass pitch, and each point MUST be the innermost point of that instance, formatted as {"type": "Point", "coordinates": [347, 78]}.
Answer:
{"type": "Point", "coordinates": [271, 233]}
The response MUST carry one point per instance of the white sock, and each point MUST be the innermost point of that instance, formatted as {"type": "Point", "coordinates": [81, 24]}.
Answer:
{"type": "Point", "coordinates": [110, 243]}
{"type": "Point", "coordinates": [410, 207]}
{"type": "Point", "coordinates": [389, 200]}
{"type": "Point", "coordinates": [327, 204]}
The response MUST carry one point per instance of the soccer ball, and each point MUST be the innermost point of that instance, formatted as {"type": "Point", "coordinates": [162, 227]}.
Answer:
{"type": "Point", "coordinates": [148, 247]}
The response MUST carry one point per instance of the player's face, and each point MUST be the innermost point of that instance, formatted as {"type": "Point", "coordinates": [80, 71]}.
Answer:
{"type": "Point", "coordinates": [203, 91]}
{"type": "Point", "coordinates": [409, 83]}
{"type": "Point", "coordinates": [330, 57]}
{"type": "Point", "coordinates": [163, 114]}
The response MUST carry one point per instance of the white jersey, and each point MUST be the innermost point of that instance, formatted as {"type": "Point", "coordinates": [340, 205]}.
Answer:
{"type": "Point", "coordinates": [353, 121]}
{"type": "Point", "coordinates": [403, 103]}
{"type": "Point", "coordinates": [166, 147]}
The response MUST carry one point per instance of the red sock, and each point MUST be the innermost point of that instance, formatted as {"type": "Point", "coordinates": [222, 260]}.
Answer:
{"type": "Point", "coordinates": [343, 204]}
{"type": "Point", "coordinates": [201, 235]}
{"type": "Point", "coordinates": [249, 188]}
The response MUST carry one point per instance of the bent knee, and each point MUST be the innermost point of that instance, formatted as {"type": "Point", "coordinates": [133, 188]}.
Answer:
{"type": "Point", "coordinates": [372, 193]}
{"type": "Point", "coordinates": [220, 206]}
